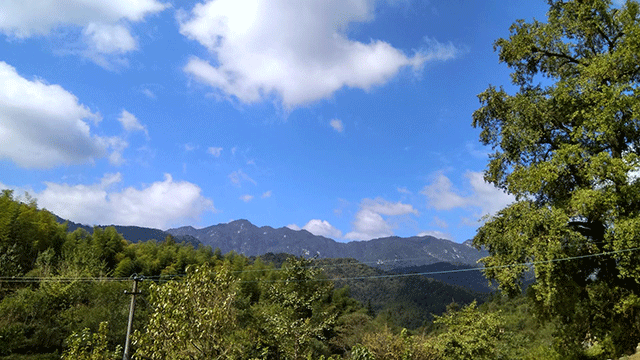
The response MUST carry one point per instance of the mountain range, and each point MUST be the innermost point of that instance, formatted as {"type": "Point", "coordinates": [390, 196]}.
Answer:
{"type": "Point", "coordinates": [387, 253]}
{"type": "Point", "coordinates": [243, 237]}
{"type": "Point", "coordinates": [131, 233]}
{"type": "Point", "coordinates": [417, 254]}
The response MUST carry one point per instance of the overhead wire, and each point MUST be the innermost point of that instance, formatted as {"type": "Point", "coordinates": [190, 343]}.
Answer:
{"type": "Point", "coordinates": [168, 277]}
{"type": "Point", "coordinates": [528, 264]}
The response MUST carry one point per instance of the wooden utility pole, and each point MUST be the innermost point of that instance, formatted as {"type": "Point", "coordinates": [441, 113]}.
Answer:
{"type": "Point", "coordinates": [132, 308]}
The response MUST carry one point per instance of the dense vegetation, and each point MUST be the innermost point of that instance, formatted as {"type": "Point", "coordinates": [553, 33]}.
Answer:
{"type": "Point", "coordinates": [66, 299]}
{"type": "Point", "coordinates": [566, 144]}
{"type": "Point", "coordinates": [567, 149]}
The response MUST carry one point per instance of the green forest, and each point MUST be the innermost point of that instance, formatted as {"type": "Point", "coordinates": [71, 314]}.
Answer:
{"type": "Point", "coordinates": [63, 296]}
{"type": "Point", "coordinates": [565, 137]}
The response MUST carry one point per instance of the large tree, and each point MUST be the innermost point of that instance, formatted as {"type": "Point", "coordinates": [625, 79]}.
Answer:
{"type": "Point", "coordinates": [566, 142]}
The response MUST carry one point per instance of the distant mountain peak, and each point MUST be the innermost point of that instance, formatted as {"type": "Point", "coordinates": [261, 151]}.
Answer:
{"type": "Point", "coordinates": [242, 223]}
{"type": "Point", "coordinates": [188, 227]}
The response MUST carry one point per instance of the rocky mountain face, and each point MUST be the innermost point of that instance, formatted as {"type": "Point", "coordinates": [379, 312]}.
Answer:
{"type": "Point", "coordinates": [388, 253]}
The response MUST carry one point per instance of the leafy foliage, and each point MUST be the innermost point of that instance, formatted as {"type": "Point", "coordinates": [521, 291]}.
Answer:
{"type": "Point", "coordinates": [191, 319]}
{"type": "Point", "coordinates": [87, 346]}
{"type": "Point", "coordinates": [566, 145]}
{"type": "Point", "coordinates": [198, 303]}
{"type": "Point", "coordinates": [470, 334]}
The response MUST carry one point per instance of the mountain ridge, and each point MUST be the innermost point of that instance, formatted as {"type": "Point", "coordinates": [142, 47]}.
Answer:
{"type": "Point", "coordinates": [245, 238]}
{"type": "Point", "coordinates": [130, 232]}
{"type": "Point", "coordinates": [392, 252]}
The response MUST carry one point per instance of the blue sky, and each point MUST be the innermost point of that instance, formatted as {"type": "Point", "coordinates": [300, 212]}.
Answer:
{"type": "Point", "coordinates": [349, 118]}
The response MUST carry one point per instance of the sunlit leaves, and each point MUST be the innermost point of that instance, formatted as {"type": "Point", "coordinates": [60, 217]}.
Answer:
{"type": "Point", "coordinates": [566, 145]}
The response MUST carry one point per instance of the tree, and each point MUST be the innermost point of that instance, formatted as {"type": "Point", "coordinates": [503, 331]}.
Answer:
{"type": "Point", "coordinates": [293, 313]}
{"type": "Point", "coordinates": [191, 319]}
{"type": "Point", "coordinates": [87, 346]}
{"type": "Point", "coordinates": [470, 334]}
{"type": "Point", "coordinates": [566, 144]}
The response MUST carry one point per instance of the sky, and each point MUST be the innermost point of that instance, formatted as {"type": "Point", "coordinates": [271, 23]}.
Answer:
{"type": "Point", "coordinates": [348, 118]}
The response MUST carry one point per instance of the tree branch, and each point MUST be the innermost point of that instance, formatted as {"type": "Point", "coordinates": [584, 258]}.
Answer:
{"type": "Point", "coordinates": [556, 55]}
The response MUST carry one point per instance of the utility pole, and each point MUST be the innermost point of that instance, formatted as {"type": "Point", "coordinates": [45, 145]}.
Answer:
{"type": "Point", "coordinates": [132, 308]}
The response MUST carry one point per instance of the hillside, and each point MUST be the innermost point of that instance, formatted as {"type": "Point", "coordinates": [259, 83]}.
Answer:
{"type": "Point", "coordinates": [460, 275]}
{"type": "Point", "coordinates": [405, 301]}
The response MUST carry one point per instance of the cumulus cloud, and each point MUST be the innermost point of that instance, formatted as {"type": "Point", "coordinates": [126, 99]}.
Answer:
{"type": "Point", "coordinates": [336, 124]}
{"type": "Point", "coordinates": [294, 227]}
{"type": "Point", "coordinates": [215, 151]}
{"type": "Point", "coordinates": [158, 205]}
{"type": "Point", "coordinates": [322, 228]}
{"type": "Point", "coordinates": [484, 198]}
{"type": "Point", "coordinates": [297, 51]}
{"type": "Point", "coordinates": [369, 223]}
{"type": "Point", "coordinates": [43, 125]}
{"type": "Point", "coordinates": [103, 23]}
{"type": "Point", "coordinates": [266, 194]}
{"type": "Point", "coordinates": [130, 123]}
{"type": "Point", "coordinates": [238, 177]}
{"type": "Point", "coordinates": [246, 198]}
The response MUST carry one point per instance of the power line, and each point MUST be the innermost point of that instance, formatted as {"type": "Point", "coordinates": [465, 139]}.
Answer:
{"type": "Point", "coordinates": [381, 276]}
{"type": "Point", "coordinates": [27, 279]}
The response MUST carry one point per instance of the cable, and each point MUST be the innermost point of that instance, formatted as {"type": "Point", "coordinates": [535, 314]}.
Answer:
{"type": "Point", "coordinates": [28, 279]}
{"type": "Point", "coordinates": [38, 279]}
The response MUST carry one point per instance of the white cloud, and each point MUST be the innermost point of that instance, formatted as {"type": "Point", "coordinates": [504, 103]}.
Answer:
{"type": "Point", "coordinates": [43, 125]}
{"type": "Point", "coordinates": [293, 227]}
{"type": "Point", "coordinates": [369, 223]}
{"type": "Point", "coordinates": [441, 194]}
{"type": "Point", "coordinates": [118, 145]}
{"type": "Point", "coordinates": [297, 51]}
{"type": "Point", "coordinates": [484, 197]}
{"type": "Point", "coordinates": [131, 123]}
{"type": "Point", "coordinates": [239, 176]}
{"type": "Point", "coordinates": [103, 23]}
{"type": "Point", "coordinates": [266, 194]}
{"type": "Point", "coordinates": [109, 39]}
{"type": "Point", "coordinates": [404, 190]}
{"type": "Point", "coordinates": [159, 205]}
{"type": "Point", "coordinates": [384, 207]}
{"type": "Point", "coordinates": [322, 228]}
{"type": "Point", "coordinates": [436, 234]}
{"type": "Point", "coordinates": [215, 151]}
{"type": "Point", "coordinates": [337, 125]}
{"type": "Point", "coordinates": [189, 147]}
{"type": "Point", "coordinates": [27, 18]}
{"type": "Point", "coordinates": [438, 51]}
{"type": "Point", "coordinates": [246, 198]}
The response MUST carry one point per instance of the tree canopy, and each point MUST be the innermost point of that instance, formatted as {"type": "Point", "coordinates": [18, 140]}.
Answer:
{"type": "Point", "coordinates": [566, 144]}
